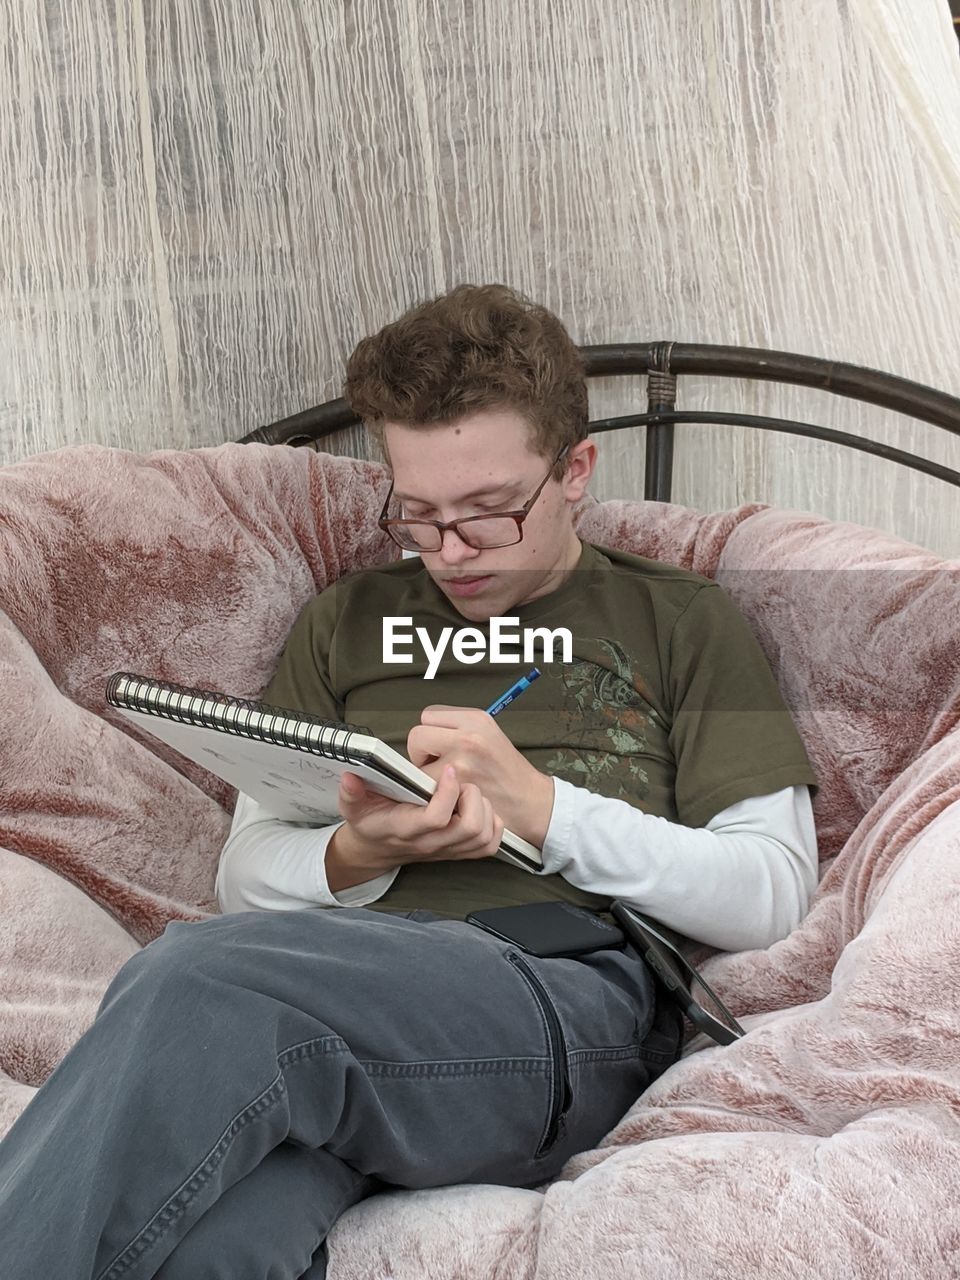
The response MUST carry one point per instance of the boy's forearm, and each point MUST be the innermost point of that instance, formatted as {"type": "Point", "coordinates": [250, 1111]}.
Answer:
{"type": "Point", "coordinates": [270, 865]}
{"type": "Point", "coordinates": [348, 862]}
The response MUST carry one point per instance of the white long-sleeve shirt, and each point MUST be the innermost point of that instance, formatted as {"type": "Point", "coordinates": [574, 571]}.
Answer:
{"type": "Point", "coordinates": [742, 881]}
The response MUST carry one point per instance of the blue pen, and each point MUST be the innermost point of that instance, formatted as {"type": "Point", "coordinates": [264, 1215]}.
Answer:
{"type": "Point", "coordinates": [514, 691]}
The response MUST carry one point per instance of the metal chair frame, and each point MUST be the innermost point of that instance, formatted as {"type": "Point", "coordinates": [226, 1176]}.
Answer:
{"type": "Point", "coordinates": [662, 363]}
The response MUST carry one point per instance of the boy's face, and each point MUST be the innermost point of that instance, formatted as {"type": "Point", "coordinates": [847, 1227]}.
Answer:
{"type": "Point", "coordinates": [479, 465]}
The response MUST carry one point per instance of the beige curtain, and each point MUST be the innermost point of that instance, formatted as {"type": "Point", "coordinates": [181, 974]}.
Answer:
{"type": "Point", "coordinates": [205, 203]}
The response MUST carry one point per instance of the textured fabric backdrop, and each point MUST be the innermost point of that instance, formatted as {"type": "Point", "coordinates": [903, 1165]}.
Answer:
{"type": "Point", "coordinates": [205, 203]}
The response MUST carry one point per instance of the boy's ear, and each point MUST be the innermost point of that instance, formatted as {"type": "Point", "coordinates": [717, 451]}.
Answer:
{"type": "Point", "coordinates": [580, 461]}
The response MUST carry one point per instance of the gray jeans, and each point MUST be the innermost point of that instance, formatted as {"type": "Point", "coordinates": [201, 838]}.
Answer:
{"type": "Point", "coordinates": [250, 1077]}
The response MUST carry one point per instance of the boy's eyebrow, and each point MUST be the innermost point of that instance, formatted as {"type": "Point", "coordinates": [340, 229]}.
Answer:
{"type": "Point", "coordinates": [476, 493]}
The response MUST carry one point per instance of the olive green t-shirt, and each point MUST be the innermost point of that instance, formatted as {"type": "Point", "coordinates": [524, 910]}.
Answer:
{"type": "Point", "coordinates": [667, 701]}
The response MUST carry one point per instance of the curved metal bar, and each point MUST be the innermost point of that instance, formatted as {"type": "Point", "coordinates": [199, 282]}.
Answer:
{"type": "Point", "coordinates": [852, 380]}
{"type": "Point", "coordinates": [666, 360]}
{"type": "Point", "coordinates": [783, 424]}
{"type": "Point", "coordinates": [309, 425]}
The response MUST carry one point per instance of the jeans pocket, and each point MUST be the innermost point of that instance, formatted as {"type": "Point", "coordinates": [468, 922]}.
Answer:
{"type": "Point", "coordinates": [561, 1094]}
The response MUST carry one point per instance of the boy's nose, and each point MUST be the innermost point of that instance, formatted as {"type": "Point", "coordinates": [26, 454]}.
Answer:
{"type": "Point", "coordinates": [454, 550]}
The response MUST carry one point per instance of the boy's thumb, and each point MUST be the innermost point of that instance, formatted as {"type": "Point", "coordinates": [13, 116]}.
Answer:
{"type": "Point", "coordinates": [351, 788]}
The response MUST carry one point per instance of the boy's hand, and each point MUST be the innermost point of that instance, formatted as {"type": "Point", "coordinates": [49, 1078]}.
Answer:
{"type": "Point", "coordinates": [473, 742]}
{"type": "Point", "coordinates": [380, 834]}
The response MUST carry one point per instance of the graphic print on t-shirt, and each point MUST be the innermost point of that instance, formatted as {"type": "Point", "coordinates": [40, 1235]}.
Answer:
{"type": "Point", "coordinates": [604, 718]}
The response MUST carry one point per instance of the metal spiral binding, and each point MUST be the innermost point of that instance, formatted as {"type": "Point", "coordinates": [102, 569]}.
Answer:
{"type": "Point", "coordinates": [243, 717]}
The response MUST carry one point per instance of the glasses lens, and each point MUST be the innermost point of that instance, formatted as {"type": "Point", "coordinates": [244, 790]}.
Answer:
{"type": "Point", "coordinates": [416, 537]}
{"type": "Point", "coordinates": [489, 531]}
{"type": "Point", "coordinates": [478, 532]}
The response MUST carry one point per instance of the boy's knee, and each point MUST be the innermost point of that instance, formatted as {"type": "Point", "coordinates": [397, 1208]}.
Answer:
{"type": "Point", "coordinates": [180, 960]}
{"type": "Point", "coordinates": [233, 948]}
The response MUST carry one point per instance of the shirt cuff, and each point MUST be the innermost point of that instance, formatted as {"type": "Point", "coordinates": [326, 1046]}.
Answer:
{"type": "Point", "coordinates": [360, 895]}
{"type": "Point", "coordinates": [357, 895]}
{"type": "Point", "coordinates": [556, 846]}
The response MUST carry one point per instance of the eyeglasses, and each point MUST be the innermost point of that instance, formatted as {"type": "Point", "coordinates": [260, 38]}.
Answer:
{"type": "Point", "coordinates": [499, 529]}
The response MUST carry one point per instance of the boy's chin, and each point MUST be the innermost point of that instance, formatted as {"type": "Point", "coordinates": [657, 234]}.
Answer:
{"type": "Point", "coordinates": [477, 610]}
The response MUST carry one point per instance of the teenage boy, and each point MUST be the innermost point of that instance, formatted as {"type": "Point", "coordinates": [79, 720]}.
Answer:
{"type": "Point", "coordinates": [250, 1077]}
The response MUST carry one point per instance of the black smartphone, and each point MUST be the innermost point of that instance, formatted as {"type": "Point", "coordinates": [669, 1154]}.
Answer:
{"type": "Point", "coordinates": [549, 928]}
{"type": "Point", "coordinates": [698, 1001]}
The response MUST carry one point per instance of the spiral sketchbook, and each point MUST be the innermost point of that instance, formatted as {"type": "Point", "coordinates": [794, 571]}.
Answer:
{"type": "Point", "coordinates": [289, 761]}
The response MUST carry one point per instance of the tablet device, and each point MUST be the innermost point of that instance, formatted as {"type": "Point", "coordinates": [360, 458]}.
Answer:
{"type": "Point", "coordinates": [674, 971]}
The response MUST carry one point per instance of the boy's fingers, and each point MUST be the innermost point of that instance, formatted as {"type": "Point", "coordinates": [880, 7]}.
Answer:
{"type": "Point", "coordinates": [444, 799]}
{"type": "Point", "coordinates": [352, 791]}
{"type": "Point", "coordinates": [425, 744]}
{"type": "Point", "coordinates": [470, 812]}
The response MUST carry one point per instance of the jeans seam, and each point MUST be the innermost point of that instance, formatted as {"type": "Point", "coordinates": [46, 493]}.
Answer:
{"type": "Point", "coordinates": [171, 1210]}
{"type": "Point", "coordinates": [657, 1057]}
{"type": "Point", "coordinates": [458, 1067]}
{"type": "Point", "coordinates": [614, 1053]}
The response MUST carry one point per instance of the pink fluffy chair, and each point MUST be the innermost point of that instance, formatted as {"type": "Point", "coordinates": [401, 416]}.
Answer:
{"type": "Point", "coordinates": [824, 1143]}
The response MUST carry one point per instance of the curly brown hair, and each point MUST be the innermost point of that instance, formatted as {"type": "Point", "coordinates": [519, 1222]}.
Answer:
{"type": "Point", "coordinates": [476, 347]}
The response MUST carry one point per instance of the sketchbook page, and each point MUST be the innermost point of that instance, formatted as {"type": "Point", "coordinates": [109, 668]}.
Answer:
{"type": "Point", "coordinates": [294, 785]}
